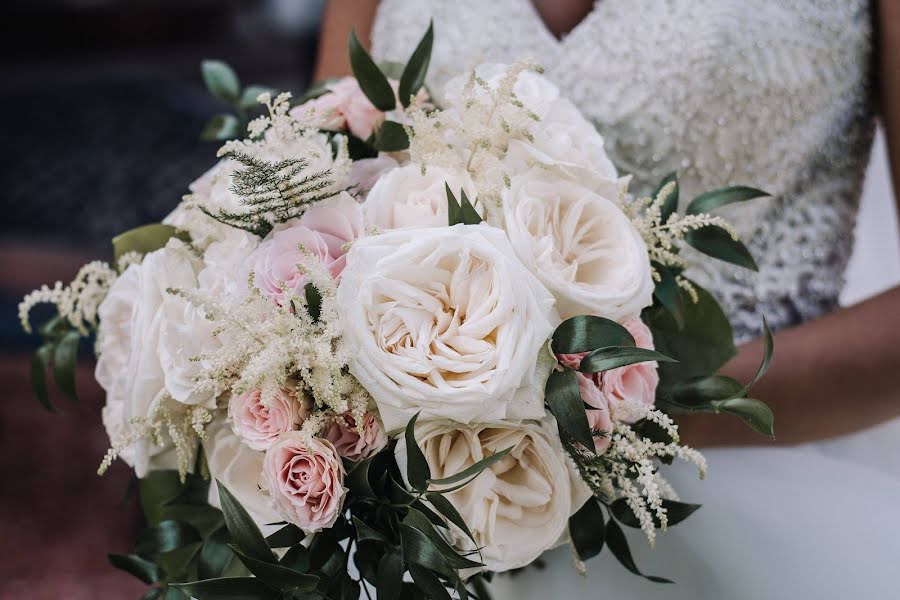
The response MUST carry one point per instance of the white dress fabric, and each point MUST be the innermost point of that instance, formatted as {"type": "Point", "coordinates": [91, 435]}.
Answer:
{"type": "Point", "coordinates": [767, 93]}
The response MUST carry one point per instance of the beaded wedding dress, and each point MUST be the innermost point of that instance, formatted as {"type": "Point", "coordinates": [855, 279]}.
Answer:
{"type": "Point", "coordinates": [767, 93]}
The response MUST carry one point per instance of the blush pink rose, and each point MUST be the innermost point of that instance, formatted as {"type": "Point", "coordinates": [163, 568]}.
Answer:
{"type": "Point", "coordinates": [344, 433]}
{"type": "Point", "coordinates": [344, 105]}
{"type": "Point", "coordinates": [305, 479]}
{"type": "Point", "coordinates": [627, 388]}
{"type": "Point", "coordinates": [258, 424]}
{"type": "Point", "coordinates": [323, 231]}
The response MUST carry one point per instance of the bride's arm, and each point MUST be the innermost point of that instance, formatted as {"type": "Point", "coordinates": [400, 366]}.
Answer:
{"type": "Point", "coordinates": [840, 373]}
{"type": "Point", "coordinates": [338, 20]}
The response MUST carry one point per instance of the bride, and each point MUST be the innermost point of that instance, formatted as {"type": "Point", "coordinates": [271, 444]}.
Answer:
{"type": "Point", "coordinates": [777, 95]}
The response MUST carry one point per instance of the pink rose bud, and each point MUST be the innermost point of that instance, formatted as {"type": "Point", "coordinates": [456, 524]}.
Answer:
{"type": "Point", "coordinates": [305, 479]}
{"type": "Point", "coordinates": [344, 105]}
{"type": "Point", "coordinates": [634, 385]}
{"type": "Point", "coordinates": [345, 435]}
{"type": "Point", "coordinates": [259, 424]}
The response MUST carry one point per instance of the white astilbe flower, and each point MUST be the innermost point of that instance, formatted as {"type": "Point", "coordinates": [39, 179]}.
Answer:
{"type": "Point", "coordinates": [265, 344]}
{"type": "Point", "coordinates": [629, 469]}
{"type": "Point", "coordinates": [474, 132]}
{"type": "Point", "coordinates": [76, 302]}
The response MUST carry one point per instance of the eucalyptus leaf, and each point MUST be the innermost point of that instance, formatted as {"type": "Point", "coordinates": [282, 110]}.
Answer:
{"type": "Point", "coordinates": [277, 575]}
{"type": "Point", "coordinates": [564, 398]}
{"type": "Point", "coordinates": [613, 357]}
{"type": "Point", "coordinates": [145, 570]}
{"type": "Point", "coordinates": [65, 361]}
{"type": "Point", "coordinates": [221, 127]}
{"type": "Point", "coordinates": [40, 362]}
{"type": "Point", "coordinates": [146, 238]}
{"type": "Point", "coordinates": [390, 136]}
{"type": "Point", "coordinates": [671, 203]}
{"type": "Point", "coordinates": [618, 545]}
{"type": "Point", "coordinates": [676, 512]}
{"type": "Point", "coordinates": [716, 242]}
{"type": "Point", "coordinates": [250, 96]}
{"type": "Point", "coordinates": [714, 199]}
{"type": "Point", "coordinates": [221, 80]}
{"type": "Point", "coordinates": [228, 588]}
{"type": "Point", "coordinates": [587, 529]}
{"type": "Point", "coordinates": [242, 529]}
{"type": "Point", "coordinates": [413, 76]}
{"type": "Point", "coordinates": [164, 537]}
{"type": "Point", "coordinates": [371, 80]}
{"type": "Point", "coordinates": [585, 333]}
{"type": "Point", "coordinates": [417, 470]}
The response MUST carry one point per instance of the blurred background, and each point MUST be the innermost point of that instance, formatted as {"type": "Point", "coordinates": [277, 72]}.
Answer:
{"type": "Point", "coordinates": [101, 107]}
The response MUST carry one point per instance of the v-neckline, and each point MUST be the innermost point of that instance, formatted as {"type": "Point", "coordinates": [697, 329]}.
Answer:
{"type": "Point", "coordinates": [546, 32]}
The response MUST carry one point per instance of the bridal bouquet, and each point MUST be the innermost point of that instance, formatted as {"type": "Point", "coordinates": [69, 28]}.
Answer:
{"type": "Point", "coordinates": [395, 342]}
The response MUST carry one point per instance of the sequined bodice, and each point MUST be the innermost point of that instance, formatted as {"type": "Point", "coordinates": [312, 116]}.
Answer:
{"type": "Point", "coordinates": [766, 93]}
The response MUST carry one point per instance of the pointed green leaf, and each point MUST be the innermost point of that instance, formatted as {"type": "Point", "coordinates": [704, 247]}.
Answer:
{"type": "Point", "coordinates": [221, 127]}
{"type": "Point", "coordinates": [371, 80]}
{"type": "Point", "coordinates": [668, 293]}
{"type": "Point", "coordinates": [469, 215]}
{"type": "Point", "coordinates": [422, 543]}
{"type": "Point", "coordinates": [564, 398]}
{"type": "Point", "coordinates": [754, 413]}
{"type": "Point", "coordinates": [587, 528]}
{"type": "Point", "coordinates": [143, 569]}
{"type": "Point", "coordinates": [40, 362]}
{"type": "Point", "coordinates": [277, 575]}
{"type": "Point", "coordinates": [146, 238]}
{"type": "Point", "coordinates": [710, 201]}
{"type": "Point", "coordinates": [768, 351]}
{"type": "Point", "coordinates": [613, 357]}
{"type": "Point", "coordinates": [474, 469]}
{"type": "Point", "coordinates": [714, 241]}
{"type": "Point", "coordinates": [454, 210]}
{"type": "Point", "coordinates": [287, 536]}
{"type": "Point", "coordinates": [390, 136]}
{"type": "Point", "coordinates": [65, 361]}
{"type": "Point", "coordinates": [250, 95]}
{"type": "Point", "coordinates": [297, 558]}
{"type": "Point", "coordinates": [365, 532]}
{"type": "Point", "coordinates": [221, 80]}
{"type": "Point", "coordinates": [446, 508]}
{"type": "Point", "coordinates": [676, 512]}
{"type": "Point", "coordinates": [416, 67]}
{"type": "Point", "coordinates": [671, 203]}
{"type": "Point", "coordinates": [313, 301]}
{"type": "Point", "coordinates": [417, 470]}
{"type": "Point", "coordinates": [389, 580]}
{"type": "Point", "coordinates": [228, 588]}
{"type": "Point", "coordinates": [242, 529]}
{"type": "Point", "coordinates": [703, 391]}
{"type": "Point", "coordinates": [585, 333]}
{"type": "Point", "coordinates": [164, 537]}
{"type": "Point", "coordinates": [618, 545]}
{"type": "Point", "coordinates": [357, 479]}
{"type": "Point", "coordinates": [429, 583]}
{"type": "Point", "coordinates": [215, 555]}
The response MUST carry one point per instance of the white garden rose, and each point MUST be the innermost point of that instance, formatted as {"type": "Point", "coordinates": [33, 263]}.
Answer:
{"type": "Point", "coordinates": [130, 363]}
{"type": "Point", "coordinates": [406, 197]}
{"type": "Point", "coordinates": [518, 507]}
{"type": "Point", "coordinates": [533, 90]}
{"type": "Point", "coordinates": [579, 244]}
{"type": "Point", "coordinates": [444, 321]}
{"type": "Point", "coordinates": [563, 139]}
{"type": "Point", "coordinates": [239, 469]}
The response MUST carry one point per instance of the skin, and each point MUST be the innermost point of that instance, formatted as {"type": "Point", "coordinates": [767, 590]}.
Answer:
{"type": "Point", "coordinates": [832, 376]}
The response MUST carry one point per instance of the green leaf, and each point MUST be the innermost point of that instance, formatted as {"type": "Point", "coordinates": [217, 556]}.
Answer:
{"type": "Point", "coordinates": [371, 80]}
{"type": "Point", "coordinates": [429, 583]}
{"type": "Point", "coordinates": [313, 301]}
{"type": "Point", "coordinates": [417, 470]}
{"type": "Point", "coordinates": [251, 93]}
{"type": "Point", "coordinates": [586, 528]}
{"type": "Point", "coordinates": [564, 398]}
{"type": "Point", "coordinates": [287, 536]}
{"type": "Point", "coordinates": [754, 413]}
{"type": "Point", "coordinates": [297, 558]}
{"type": "Point", "coordinates": [242, 529]}
{"type": "Point", "coordinates": [276, 575]}
{"type": "Point", "coordinates": [215, 555]}
{"type": "Point", "coordinates": [221, 80]}
{"type": "Point", "coordinates": [469, 215]}
{"type": "Point", "coordinates": [671, 203]}
{"type": "Point", "coordinates": [146, 238]}
{"type": "Point", "coordinates": [768, 351]}
{"type": "Point", "coordinates": [676, 512]}
{"type": "Point", "coordinates": [668, 293]}
{"type": "Point", "coordinates": [702, 346]}
{"type": "Point", "coordinates": [65, 360]}
{"type": "Point", "coordinates": [416, 67]}
{"type": "Point", "coordinates": [710, 201]}
{"type": "Point", "coordinates": [618, 545]}
{"type": "Point", "coordinates": [390, 136]}
{"type": "Point", "coordinates": [40, 362]}
{"type": "Point", "coordinates": [389, 580]}
{"type": "Point", "coordinates": [143, 569]}
{"type": "Point", "coordinates": [158, 489]}
{"type": "Point", "coordinates": [613, 357]}
{"type": "Point", "coordinates": [164, 537]}
{"type": "Point", "coordinates": [714, 241]}
{"type": "Point", "coordinates": [423, 545]}
{"type": "Point", "coordinates": [228, 588]}
{"type": "Point", "coordinates": [365, 532]}
{"type": "Point", "coordinates": [471, 470]}
{"type": "Point", "coordinates": [357, 479]}
{"type": "Point", "coordinates": [585, 333]}
{"type": "Point", "coordinates": [446, 508]}
{"type": "Point", "coordinates": [454, 210]}
{"type": "Point", "coordinates": [204, 518]}
{"type": "Point", "coordinates": [221, 127]}
{"type": "Point", "coordinates": [703, 391]}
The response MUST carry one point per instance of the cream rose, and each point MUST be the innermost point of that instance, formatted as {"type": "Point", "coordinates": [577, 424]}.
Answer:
{"type": "Point", "coordinates": [305, 479]}
{"type": "Point", "coordinates": [518, 507]}
{"type": "Point", "coordinates": [444, 321]}
{"type": "Point", "coordinates": [406, 197]}
{"type": "Point", "coordinates": [579, 244]}
{"type": "Point", "coordinates": [238, 468]}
